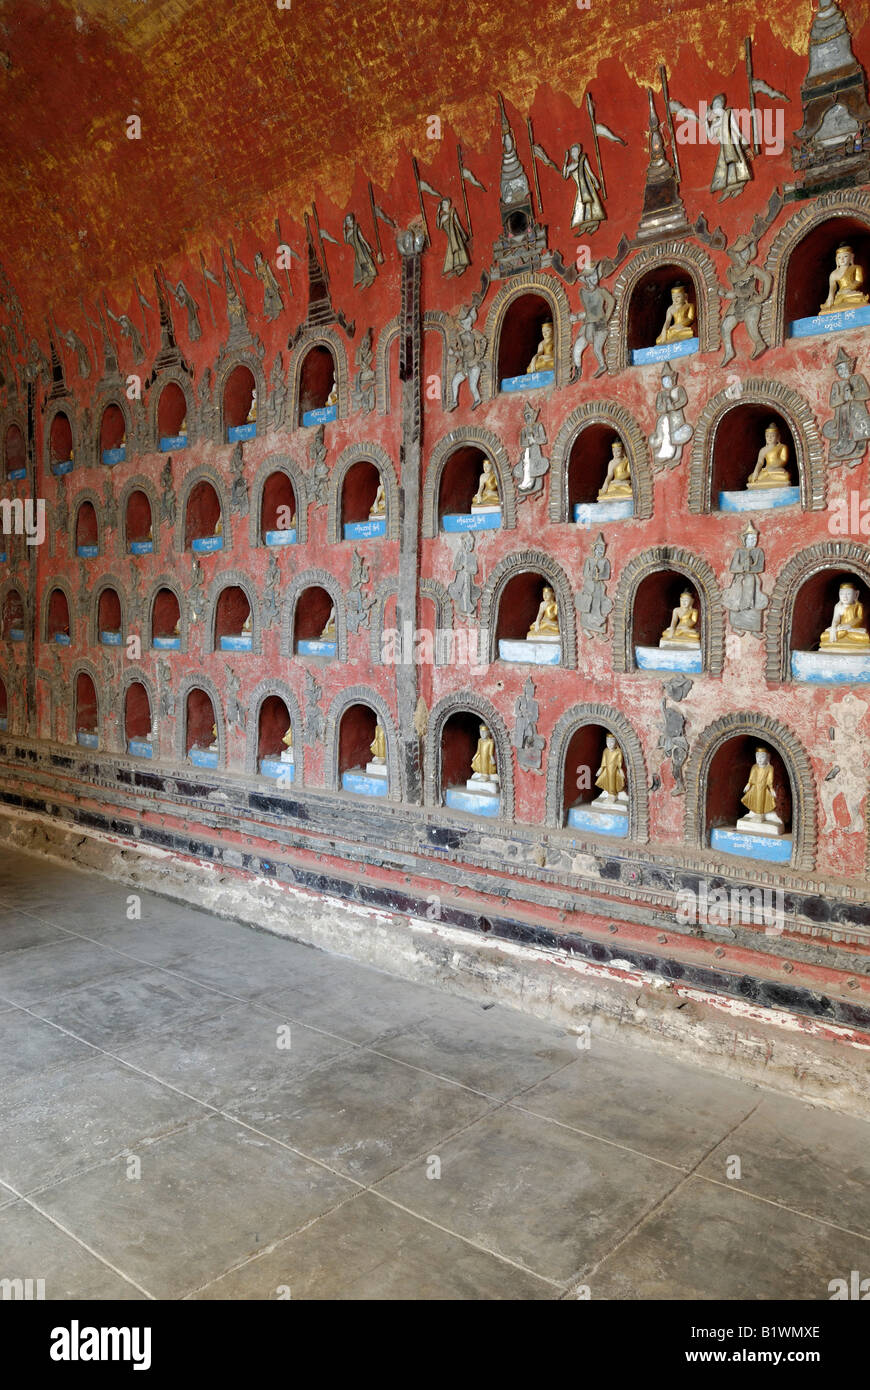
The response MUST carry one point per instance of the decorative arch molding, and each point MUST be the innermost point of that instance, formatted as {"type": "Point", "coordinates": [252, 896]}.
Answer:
{"type": "Point", "coordinates": [84, 667]}
{"type": "Point", "coordinates": [826, 555]}
{"type": "Point", "coordinates": [308, 339]}
{"type": "Point", "coordinates": [170, 582]}
{"type": "Point", "coordinates": [526, 562]}
{"type": "Point", "coordinates": [8, 586]}
{"type": "Point", "coordinates": [473, 703]}
{"type": "Point", "coordinates": [238, 357]}
{"type": "Point", "coordinates": [444, 611]}
{"type": "Point", "coordinates": [387, 589]}
{"type": "Point", "coordinates": [698, 573]}
{"type": "Point", "coordinates": [230, 579]}
{"type": "Point", "coordinates": [637, 780]}
{"type": "Point", "coordinates": [57, 581]}
{"type": "Point", "coordinates": [434, 321]}
{"type": "Point", "coordinates": [361, 695]}
{"type": "Point", "coordinates": [313, 579]}
{"type": "Point", "coordinates": [106, 581]}
{"type": "Point", "coordinates": [64, 405]}
{"type": "Point", "coordinates": [528, 282]}
{"type": "Point", "coordinates": [797, 764]}
{"type": "Point", "coordinates": [12, 682]}
{"type": "Point", "coordinates": [784, 401]}
{"type": "Point", "coordinates": [848, 203]}
{"type": "Point", "coordinates": [97, 502]}
{"type": "Point", "coordinates": [387, 336]}
{"type": "Point", "coordinates": [199, 681]}
{"type": "Point", "coordinates": [183, 380]}
{"type": "Point", "coordinates": [204, 473]}
{"type": "Point", "coordinates": [15, 416]}
{"type": "Point", "coordinates": [261, 692]}
{"type": "Point", "coordinates": [616, 417]}
{"type": "Point", "coordinates": [278, 463]}
{"type": "Point", "coordinates": [114, 395]}
{"type": "Point", "coordinates": [369, 452]}
{"type": "Point", "coordinates": [475, 437]}
{"type": "Point", "coordinates": [138, 483]}
{"type": "Point", "coordinates": [692, 261]}
{"type": "Point", "coordinates": [137, 676]}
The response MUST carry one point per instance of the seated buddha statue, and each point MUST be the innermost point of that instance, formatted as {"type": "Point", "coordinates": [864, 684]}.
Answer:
{"type": "Point", "coordinates": [844, 284]}
{"type": "Point", "coordinates": [379, 506]}
{"type": "Point", "coordinates": [378, 745]}
{"type": "Point", "coordinates": [545, 628]}
{"type": "Point", "coordinates": [483, 765]}
{"type": "Point", "coordinates": [287, 740]}
{"type": "Point", "coordinates": [770, 466]}
{"type": "Point", "coordinates": [847, 632]}
{"type": "Point", "coordinates": [176, 631]}
{"type": "Point", "coordinates": [680, 319]}
{"type": "Point", "coordinates": [247, 626]}
{"type": "Point", "coordinates": [544, 359]}
{"type": "Point", "coordinates": [213, 746]}
{"type": "Point", "coordinates": [617, 480]}
{"type": "Point", "coordinates": [328, 632]}
{"type": "Point", "coordinates": [487, 487]}
{"type": "Point", "coordinates": [682, 631]}
{"type": "Point", "coordinates": [332, 398]}
{"type": "Point", "coordinates": [182, 428]}
{"type": "Point", "coordinates": [251, 416]}
{"type": "Point", "coordinates": [218, 527]}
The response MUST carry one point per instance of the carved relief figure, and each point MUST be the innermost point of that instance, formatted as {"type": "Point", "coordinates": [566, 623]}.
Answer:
{"type": "Point", "coordinates": [462, 588]}
{"type": "Point", "coordinates": [273, 300]}
{"type": "Point", "coordinates": [456, 258]}
{"type": "Point", "coordinates": [364, 268]}
{"type": "Point", "coordinates": [750, 287]}
{"type": "Point", "coordinates": [588, 210]}
{"type": "Point", "coordinates": [527, 741]}
{"type": "Point", "coordinates": [671, 431]}
{"type": "Point", "coordinates": [593, 603]}
{"type": "Point", "coordinates": [468, 352]}
{"type": "Point", "coordinates": [744, 598]}
{"type": "Point", "coordinates": [847, 434]}
{"type": "Point", "coordinates": [598, 305]}
{"type": "Point", "coordinates": [363, 389]}
{"type": "Point", "coordinates": [185, 299]}
{"type": "Point", "coordinates": [533, 463]}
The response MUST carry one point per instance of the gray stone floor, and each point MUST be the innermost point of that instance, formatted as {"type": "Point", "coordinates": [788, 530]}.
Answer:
{"type": "Point", "coordinates": [189, 1108]}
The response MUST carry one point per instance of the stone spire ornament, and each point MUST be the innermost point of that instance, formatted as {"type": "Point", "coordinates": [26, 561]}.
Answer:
{"type": "Point", "coordinates": [833, 144]}
{"type": "Point", "coordinates": [663, 212]}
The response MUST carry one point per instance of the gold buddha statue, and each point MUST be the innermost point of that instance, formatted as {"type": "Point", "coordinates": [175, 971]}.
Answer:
{"type": "Point", "coordinates": [545, 628]}
{"type": "Point", "coordinates": [328, 632]}
{"type": "Point", "coordinates": [487, 487]}
{"type": "Point", "coordinates": [251, 416]}
{"type": "Point", "coordinates": [378, 745]}
{"type": "Point", "coordinates": [176, 631]}
{"type": "Point", "coordinates": [247, 626]}
{"type": "Point", "coordinates": [680, 319]}
{"type": "Point", "coordinates": [847, 631]}
{"type": "Point", "coordinates": [379, 506]}
{"type": "Point", "coordinates": [182, 428]}
{"type": "Point", "coordinates": [150, 536]}
{"type": "Point", "coordinates": [844, 284]}
{"type": "Point", "coordinates": [219, 527]}
{"type": "Point", "coordinates": [617, 480]}
{"type": "Point", "coordinates": [544, 359]}
{"type": "Point", "coordinates": [213, 746]}
{"type": "Point", "coordinates": [770, 466]}
{"type": "Point", "coordinates": [682, 631]}
{"type": "Point", "coordinates": [610, 776]}
{"type": "Point", "coordinates": [758, 795]}
{"type": "Point", "coordinates": [332, 398]}
{"type": "Point", "coordinates": [483, 763]}
{"type": "Point", "coordinates": [287, 738]}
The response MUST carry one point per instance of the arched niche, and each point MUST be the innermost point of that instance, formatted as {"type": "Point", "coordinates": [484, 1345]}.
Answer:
{"type": "Point", "coordinates": [237, 397]}
{"type": "Point", "coordinates": [384, 619]}
{"type": "Point", "coordinates": [801, 257]}
{"type": "Point", "coordinates": [4, 706]}
{"type": "Point", "coordinates": [174, 415]}
{"type": "Point", "coordinates": [458, 453]}
{"type": "Point", "coordinates": [232, 603]}
{"type": "Point", "coordinates": [451, 740]}
{"type": "Point", "coordinates": [59, 438]}
{"type": "Point", "coordinates": [139, 512]}
{"type": "Point", "coordinates": [138, 718]}
{"type": "Point", "coordinates": [109, 616]}
{"type": "Point", "coordinates": [202, 509]}
{"type": "Point", "coordinates": [14, 452]}
{"type": "Point", "coordinates": [711, 780]}
{"type": "Point", "coordinates": [307, 603]}
{"type": "Point", "coordinates": [803, 598]}
{"type": "Point", "coordinates": [662, 573]}
{"type": "Point", "coordinates": [279, 483]}
{"type": "Point", "coordinates": [352, 487]}
{"type": "Point", "coordinates": [387, 386]}
{"type": "Point", "coordinates": [515, 316]}
{"type": "Point", "coordinates": [317, 379]}
{"type": "Point", "coordinates": [436, 370]}
{"type": "Point", "coordinates": [730, 431]}
{"type": "Point", "coordinates": [200, 710]}
{"type": "Point", "coordinates": [113, 430]}
{"type": "Point", "coordinates": [582, 446]}
{"type": "Point", "coordinates": [311, 381]}
{"type": "Point", "coordinates": [56, 625]}
{"type": "Point", "coordinates": [642, 295]}
{"type": "Point", "coordinates": [577, 741]}
{"type": "Point", "coordinates": [86, 529]}
{"type": "Point", "coordinates": [167, 623]}
{"type": "Point", "coordinates": [511, 599]}
{"type": "Point", "coordinates": [273, 708]}
{"type": "Point", "coordinates": [350, 729]}
{"type": "Point", "coordinates": [86, 713]}
{"type": "Point", "coordinates": [14, 613]}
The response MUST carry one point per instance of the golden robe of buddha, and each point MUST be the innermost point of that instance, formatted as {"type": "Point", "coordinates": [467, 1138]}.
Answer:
{"type": "Point", "coordinates": [680, 319]}
{"type": "Point", "coordinates": [770, 467]}
{"type": "Point", "coordinates": [378, 745]}
{"type": "Point", "coordinates": [617, 480]}
{"type": "Point", "coordinates": [251, 416]}
{"type": "Point", "coordinates": [758, 797]}
{"type": "Point", "coordinates": [182, 428]}
{"type": "Point", "coordinates": [487, 487]}
{"type": "Point", "coordinates": [247, 626]}
{"type": "Point", "coordinates": [219, 527]}
{"type": "Point", "coordinates": [546, 624]}
{"type": "Point", "coordinates": [329, 630]}
{"type": "Point", "coordinates": [683, 627]}
{"type": "Point", "coordinates": [847, 631]}
{"type": "Point", "coordinates": [332, 398]}
{"type": "Point", "coordinates": [844, 284]}
{"type": "Point", "coordinates": [483, 762]}
{"type": "Point", "coordinates": [544, 359]}
{"type": "Point", "coordinates": [379, 506]}
{"type": "Point", "coordinates": [611, 774]}
{"type": "Point", "coordinates": [287, 738]}
{"type": "Point", "coordinates": [213, 746]}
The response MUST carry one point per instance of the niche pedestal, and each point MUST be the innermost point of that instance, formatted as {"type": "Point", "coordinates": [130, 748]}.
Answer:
{"type": "Point", "coordinates": [756, 499]}
{"type": "Point", "coordinates": [280, 768]}
{"type": "Point", "coordinates": [832, 668]}
{"type": "Point", "coordinates": [110, 639]}
{"type": "Point", "coordinates": [60, 467]}
{"type": "Point", "coordinates": [237, 433]}
{"type": "Point", "coordinates": [601, 817]}
{"type": "Point", "coordinates": [669, 658]}
{"type": "Point", "coordinates": [324, 416]}
{"type": "Point", "coordinates": [364, 530]}
{"type": "Point", "coordinates": [591, 513]}
{"type": "Point", "coordinates": [529, 381]}
{"type": "Point", "coordinates": [62, 639]}
{"type": "Point", "coordinates": [111, 457]}
{"type": "Point", "coordinates": [838, 322]}
{"type": "Point", "coordinates": [236, 642]}
{"type": "Point", "coordinates": [170, 443]}
{"type": "Point", "coordinates": [759, 843]}
{"type": "Point", "coordinates": [16, 634]}
{"type": "Point", "coordinates": [16, 474]}
{"type": "Point", "coordinates": [664, 352]}
{"type": "Point", "coordinates": [205, 545]}
{"type": "Point", "coordinates": [478, 519]}
{"type": "Point", "coordinates": [141, 547]}
{"type": "Point", "coordinates": [316, 646]}
{"type": "Point", "coordinates": [540, 651]}
{"type": "Point", "coordinates": [140, 748]}
{"type": "Point", "coordinates": [285, 537]}
{"type": "Point", "coordinates": [87, 740]}
{"type": "Point", "coordinates": [480, 796]}
{"type": "Point", "coordinates": [203, 757]}
{"type": "Point", "coordinates": [167, 644]}
{"type": "Point", "coordinates": [87, 552]}
{"type": "Point", "coordinates": [371, 782]}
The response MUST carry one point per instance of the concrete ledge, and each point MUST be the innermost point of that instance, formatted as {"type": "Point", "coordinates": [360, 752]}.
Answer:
{"type": "Point", "coordinates": [823, 1063]}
